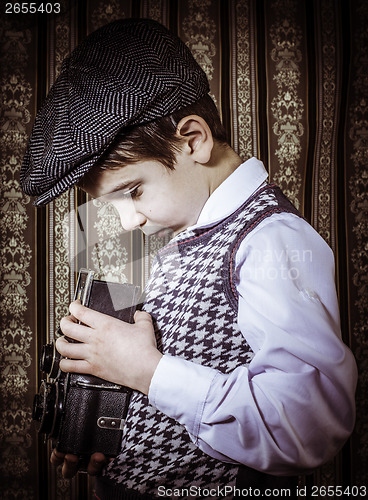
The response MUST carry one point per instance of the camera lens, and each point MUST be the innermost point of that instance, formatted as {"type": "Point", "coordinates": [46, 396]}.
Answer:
{"type": "Point", "coordinates": [44, 407]}
{"type": "Point", "coordinates": [50, 359]}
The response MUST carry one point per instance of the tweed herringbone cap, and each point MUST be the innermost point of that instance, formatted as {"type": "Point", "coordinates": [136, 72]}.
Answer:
{"type": "Point", "coordinates": [128, 72]}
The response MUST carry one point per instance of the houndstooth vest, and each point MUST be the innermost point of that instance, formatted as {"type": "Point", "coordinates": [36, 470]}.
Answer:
{"type": "Point", "coordinates": [192, 298]}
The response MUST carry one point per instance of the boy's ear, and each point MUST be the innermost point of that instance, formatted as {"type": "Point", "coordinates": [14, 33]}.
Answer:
{"type": "Point", "coordinates": [198, 136]}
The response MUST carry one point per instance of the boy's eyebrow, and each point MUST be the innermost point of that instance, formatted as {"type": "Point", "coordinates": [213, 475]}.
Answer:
{"type": "Point", "coordinates": [123, 185]}
{"type": "Point", "coordinates": [126, 185]}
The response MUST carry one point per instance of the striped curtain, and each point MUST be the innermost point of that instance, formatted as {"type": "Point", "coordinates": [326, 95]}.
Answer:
{"type": "Point", "coordinates": [290, 79]}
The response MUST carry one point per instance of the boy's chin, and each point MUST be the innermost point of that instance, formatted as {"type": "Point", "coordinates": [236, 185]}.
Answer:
{"type": "Point", "coordinates": [158, 231]}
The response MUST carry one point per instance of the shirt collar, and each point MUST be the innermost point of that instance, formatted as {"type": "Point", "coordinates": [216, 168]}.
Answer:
{"type": "Point", "coordinates": [232, 192]}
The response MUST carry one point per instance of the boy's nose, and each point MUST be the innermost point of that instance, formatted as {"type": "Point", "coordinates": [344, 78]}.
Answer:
{"type": "Point", "coordinates": [129, 217]}
{"type": "Point", "coordinates": [132, 222]}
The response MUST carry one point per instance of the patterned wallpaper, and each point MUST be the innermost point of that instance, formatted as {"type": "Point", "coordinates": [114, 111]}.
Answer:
{"type": "Point", "coordinates": [290, 78]}
{"type": "Point", "coordinates": [356, 193]}
{"type": "Point", "coordinates": [18, 267]}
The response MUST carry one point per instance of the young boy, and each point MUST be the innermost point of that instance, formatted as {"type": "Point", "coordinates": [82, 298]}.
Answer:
{"type": "Point", "coordinates": [239, 373]}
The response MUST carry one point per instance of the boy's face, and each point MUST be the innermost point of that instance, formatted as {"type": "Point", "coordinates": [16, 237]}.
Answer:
{"type": "Point", "coordinates": [149, 196]}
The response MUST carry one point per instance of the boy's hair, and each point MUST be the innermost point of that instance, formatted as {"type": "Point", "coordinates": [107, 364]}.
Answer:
{"type": "Point", "coordinates": [155, 140]}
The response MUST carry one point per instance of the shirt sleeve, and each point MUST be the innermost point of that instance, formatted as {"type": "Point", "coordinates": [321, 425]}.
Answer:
{"type": "Point", "coordinates": [292, 408]}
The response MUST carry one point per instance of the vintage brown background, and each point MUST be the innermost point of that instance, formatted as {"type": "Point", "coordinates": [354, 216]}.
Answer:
{"type": "Point", "coordinates": [290, 78]}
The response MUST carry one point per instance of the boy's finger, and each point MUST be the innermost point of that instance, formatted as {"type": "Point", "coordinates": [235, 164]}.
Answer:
{"type": "Point", "coordinates": [57, 458]}
{"type": "Point", "coordinates": [142, 316]}
{"type": "Point", "coordinates": [70, 466]}
{"type": "Point", "coordinates": [96, 464]}
{"type": "Point", "coordinates": [87, 316]}
{"type": "Point", "coordinates": [70, 463]}
{"type": "Point", "coordinates": [73, 330]}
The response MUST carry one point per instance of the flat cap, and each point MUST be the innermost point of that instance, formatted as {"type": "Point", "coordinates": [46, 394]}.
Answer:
{"type": "Point", "coordinates": [128, 72]}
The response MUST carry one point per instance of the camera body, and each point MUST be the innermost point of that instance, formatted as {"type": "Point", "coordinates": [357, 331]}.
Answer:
{"type": "Point", "coordinates": [81, 413]}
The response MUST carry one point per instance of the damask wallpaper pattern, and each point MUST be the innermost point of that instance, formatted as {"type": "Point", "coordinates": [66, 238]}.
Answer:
{"type": "Point", "coordinates": [287, 96]}
{"type": "Point", "coordinates": [356, 192]}
{"type": "Point", "coordinates": [290, 79]}
{"type": "Point", "coordinates": [17, 283]}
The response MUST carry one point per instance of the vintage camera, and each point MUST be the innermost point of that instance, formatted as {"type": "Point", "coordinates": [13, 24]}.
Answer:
{"type": "Point", "coordinates": [84, 414]}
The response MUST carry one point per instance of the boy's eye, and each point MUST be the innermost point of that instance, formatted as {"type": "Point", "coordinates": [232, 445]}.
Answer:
{"type": "Point", "coordinates": [132, 193]}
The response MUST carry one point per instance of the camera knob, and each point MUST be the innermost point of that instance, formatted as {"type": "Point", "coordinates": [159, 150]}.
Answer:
{"type": "Point", "coordinates": [50, 359]}
{"type": "Point", "coordinates": [46, 358]}
{"type": "Point", "coordinates": [37, 408]}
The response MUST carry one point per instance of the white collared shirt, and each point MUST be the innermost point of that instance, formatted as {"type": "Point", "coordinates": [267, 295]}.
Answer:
{"type": "Point", "coordinates": [293, 407]}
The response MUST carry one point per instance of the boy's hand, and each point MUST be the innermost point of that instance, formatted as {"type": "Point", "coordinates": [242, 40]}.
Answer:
{"type": "Point", "coordinates": [108, 348]}
{"type": "Point", "coordinates": [71, 463]}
